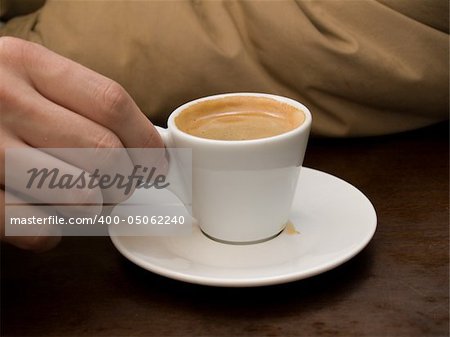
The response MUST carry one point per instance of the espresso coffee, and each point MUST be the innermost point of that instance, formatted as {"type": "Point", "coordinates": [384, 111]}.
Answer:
{"type": "Point", "coordinates": [239, 118]}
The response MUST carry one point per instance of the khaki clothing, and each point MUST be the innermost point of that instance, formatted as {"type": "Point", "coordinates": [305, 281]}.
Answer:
{"type": "Point", "coordinates": [362, 67]}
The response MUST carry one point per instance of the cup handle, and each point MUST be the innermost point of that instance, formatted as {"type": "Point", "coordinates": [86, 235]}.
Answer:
{"type": "Point", "coordinates": [177, 185]}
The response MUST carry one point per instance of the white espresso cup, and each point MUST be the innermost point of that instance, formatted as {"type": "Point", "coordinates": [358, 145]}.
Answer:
{"type": "Point", "coordinates": [242, 190]}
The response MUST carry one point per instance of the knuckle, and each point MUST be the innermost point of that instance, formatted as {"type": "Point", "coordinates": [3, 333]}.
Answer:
{"type": "Point", "coordinates": [109, 151]}
{"type": "Point", "coordinates": [113, 99]}
{"type": "Point", "coordinates": [21, 55]}
{"type": "Point", "coordinates": [16, 53]}
{"type": "Point", "coordinates": [11, 48]}
{"type": "Point", "coordinates": [108, 140]}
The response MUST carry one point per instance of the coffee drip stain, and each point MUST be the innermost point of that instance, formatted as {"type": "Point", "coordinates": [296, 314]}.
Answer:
{"type": "Point", "coordinates": [290, 229]}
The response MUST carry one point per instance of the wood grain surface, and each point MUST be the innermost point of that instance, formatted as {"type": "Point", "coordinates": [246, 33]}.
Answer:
{"type": "Point", "coordinates": [397, 286]}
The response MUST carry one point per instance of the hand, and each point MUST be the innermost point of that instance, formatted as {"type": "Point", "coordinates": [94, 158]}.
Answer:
{"type": "Point", "coordinates": [48, 101]}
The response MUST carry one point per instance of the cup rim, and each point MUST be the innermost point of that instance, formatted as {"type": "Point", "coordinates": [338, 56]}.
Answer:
{"type": "Point", "coordinates": [303, 127]}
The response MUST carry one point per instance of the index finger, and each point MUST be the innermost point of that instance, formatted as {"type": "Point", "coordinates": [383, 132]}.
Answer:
{"type": "Point", "coordinates": [88, 93]}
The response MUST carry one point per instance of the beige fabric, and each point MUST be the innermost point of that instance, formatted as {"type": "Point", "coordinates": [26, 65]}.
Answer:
{"type": "Point", "coordinates": [363, 67]}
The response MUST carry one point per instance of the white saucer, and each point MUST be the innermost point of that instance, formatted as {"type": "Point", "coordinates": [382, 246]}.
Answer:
{"type": "Point", "coordinates": [334, 220]}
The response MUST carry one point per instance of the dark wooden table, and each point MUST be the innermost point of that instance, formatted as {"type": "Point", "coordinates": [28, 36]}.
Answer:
{"type": "Point", "coordinates": [397, 286]}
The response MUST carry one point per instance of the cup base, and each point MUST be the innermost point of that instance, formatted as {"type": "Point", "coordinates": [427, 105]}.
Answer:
{"type": "Point", "coordinates": [242, 243]}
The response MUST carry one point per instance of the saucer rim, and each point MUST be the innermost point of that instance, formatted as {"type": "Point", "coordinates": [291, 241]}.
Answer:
{"type": "Point", "coordinates": [258, 281]}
